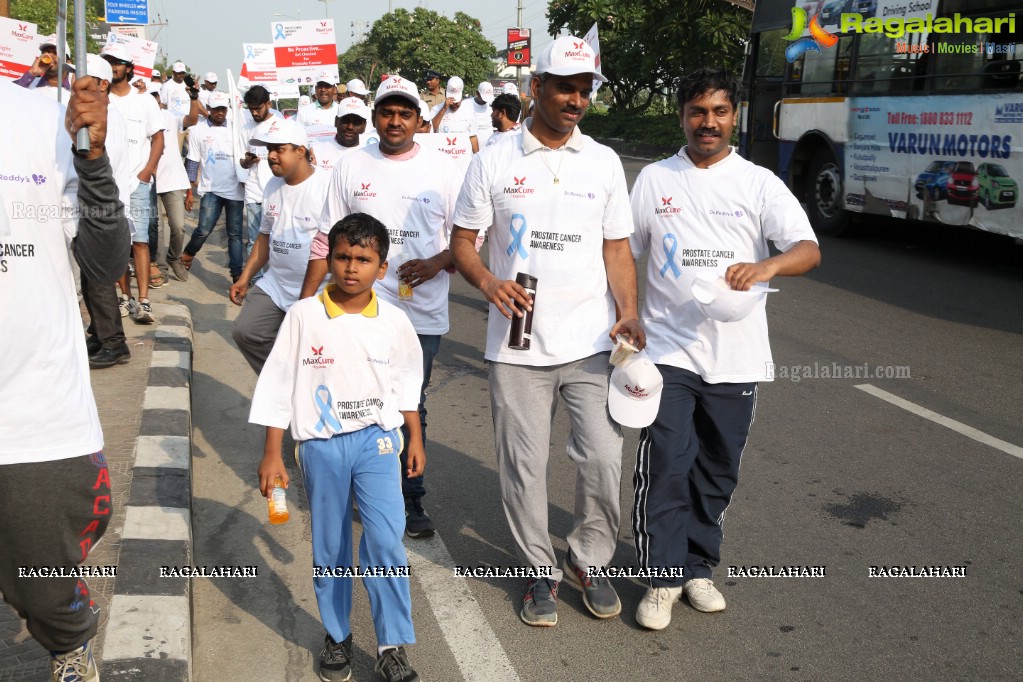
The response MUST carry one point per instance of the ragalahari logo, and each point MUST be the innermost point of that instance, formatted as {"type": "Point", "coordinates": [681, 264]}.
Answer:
{"type": "Point", "coordinates": [817, 39]}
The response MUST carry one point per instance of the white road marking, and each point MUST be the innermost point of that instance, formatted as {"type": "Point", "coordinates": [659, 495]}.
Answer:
{"type": "Point", "coordinates": [958, 427]}
{"type": "Point", "coordinates": [476, 649]}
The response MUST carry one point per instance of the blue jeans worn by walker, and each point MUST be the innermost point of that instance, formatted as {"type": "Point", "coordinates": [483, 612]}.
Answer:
{"type": "Point", "coordinates": [210, 207]}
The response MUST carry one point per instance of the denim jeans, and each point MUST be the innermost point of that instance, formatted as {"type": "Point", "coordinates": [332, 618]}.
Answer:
{"type": "Point", "coordinates": [253, 217]}
{"type": "Point", "coordinates": [415, 488]}
{"type": "Point", "coordinates": [210, 207]}
{"type": "Point", "coordinates": [138, 212]}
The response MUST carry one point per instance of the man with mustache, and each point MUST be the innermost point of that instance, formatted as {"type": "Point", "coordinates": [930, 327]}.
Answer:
{"type": "Point", "coordinates": [411, 189]}
{"type": "Point", "coordinates": [559, 207]}
{"type": "Point", "coordinates": [292, 214]}
{"type": "Point", "coordinates": [43, 72]}
{"type": "Point", "coordinates": [350, 124]}
{"type": "Point", "coordinates": [715, 202]}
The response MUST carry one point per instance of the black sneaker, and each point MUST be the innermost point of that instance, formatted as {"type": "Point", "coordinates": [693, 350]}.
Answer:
{"type": "Point", "coordinates": [336, 660]}
{"type": "Point", "coordinates": [393, 666]}
{"type": "Point", "coordinates": [598, 595]}
{"type": "Point", "coordinates": [540, 605]}
{"type": "Point", "coordinates": [108, 357]}
{"type": "Point", "coordinates": [417, 523]}
{"type": "Point", "coordinates": [92, 345]}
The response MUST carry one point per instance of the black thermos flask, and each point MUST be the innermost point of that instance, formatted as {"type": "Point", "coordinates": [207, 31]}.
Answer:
{"type": "Point", "coordinates": [522, 327]}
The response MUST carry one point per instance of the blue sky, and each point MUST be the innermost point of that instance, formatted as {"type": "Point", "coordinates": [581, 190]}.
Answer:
{"type": "Point", "coordinates": [208, 35]}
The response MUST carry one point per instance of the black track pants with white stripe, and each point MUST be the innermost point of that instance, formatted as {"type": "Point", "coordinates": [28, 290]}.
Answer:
{"type": "Point", "coordinates": [687, 467]}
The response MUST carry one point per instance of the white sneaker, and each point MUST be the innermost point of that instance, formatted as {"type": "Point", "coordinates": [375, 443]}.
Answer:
{"type": "Point", "coordinates": [654, 610]}
{"type": "Point", "coordinates": [124, 304]}
{"type": "Point", "coordinates": [703, 596]}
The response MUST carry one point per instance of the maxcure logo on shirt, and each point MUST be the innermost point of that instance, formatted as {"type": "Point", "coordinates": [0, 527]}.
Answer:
{"type": "Point", "coordinates": [317, 359]}
{"type": "Point", "coordinates": [365, 192]}
{"type": "Point", "coordinates": [519, 187]}
{"type": "Point", "coordinates": [666, 209]}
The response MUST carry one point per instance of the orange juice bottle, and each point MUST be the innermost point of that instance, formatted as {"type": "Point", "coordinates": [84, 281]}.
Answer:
{"type": "Point", "coordinates": [277, 504]}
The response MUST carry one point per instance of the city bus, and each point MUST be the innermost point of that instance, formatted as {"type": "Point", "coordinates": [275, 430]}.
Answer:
{"type": "Point", "coordinates": [904, 108]}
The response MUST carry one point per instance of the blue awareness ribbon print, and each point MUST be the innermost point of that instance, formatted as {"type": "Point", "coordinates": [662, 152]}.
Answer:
{"type": "Point", "coordinates": [211, 158]}
{"type": "Point", "coordinates": [279, 35]}
{"type": "Point", "coordinates": [249, 52]}
{"type": "Point", "coordinates": [518, 236]}
{"type": "Point", "coordinates": [327, 417]}
{"type": "Point", "coordinates": [669, 255]}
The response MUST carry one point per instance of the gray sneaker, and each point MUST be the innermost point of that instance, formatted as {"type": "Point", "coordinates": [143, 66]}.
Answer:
{"type": "Point", "coordinates": [393, 666]}
{"type": "Point", "coordinates": [598, 595]}
{"type": "Point", "coordinates": [144, 312]}
{"type": "Point", "coordinates": [540, 605]}
{"type": "Point", "coordinates": [74, 666]}
{"type": "Point", "coordinates": [336, 659]}
{"type": "Point", "coordinates": [126, 305]}
{"type": "Point", "coordinates": [179, 270]}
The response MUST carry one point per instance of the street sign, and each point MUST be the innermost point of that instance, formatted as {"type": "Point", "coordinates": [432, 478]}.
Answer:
{"type": "Point", "coordinates": [127, 11]}
{"type": "Point", "coordinates": [518, 47]}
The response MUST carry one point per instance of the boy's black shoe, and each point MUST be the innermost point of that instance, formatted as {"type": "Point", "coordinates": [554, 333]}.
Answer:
{"type": "Point", "coordinates": [92, 345]}
{"type": "Point", "coordinates": [336, 660]}
{"type": "Point", "coordinates": [417, 523]}
{"type": "Point", "coordinates": [393, 666]}
{"type": "Point", "coordinates": [108, 357]}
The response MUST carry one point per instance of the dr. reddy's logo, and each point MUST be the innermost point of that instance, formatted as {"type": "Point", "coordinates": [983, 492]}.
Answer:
{"type": "Point", "coordinates": [817, 39]}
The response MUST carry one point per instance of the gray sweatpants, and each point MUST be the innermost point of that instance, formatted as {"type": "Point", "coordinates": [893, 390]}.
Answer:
{"type": "Point", "coordinates": [53, 514]}
{"type": "Point", "coordinates": [523, 400]}
{"type": "Point", "coordinates": [256, 328]}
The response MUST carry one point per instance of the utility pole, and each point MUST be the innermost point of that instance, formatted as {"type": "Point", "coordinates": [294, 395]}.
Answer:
{"type": "Point", "coordinates": [518, 69]}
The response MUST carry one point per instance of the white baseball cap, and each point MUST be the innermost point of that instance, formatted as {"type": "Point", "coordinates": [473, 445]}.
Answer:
{"type": "Point", "coordinates": [116, 51]}
{"type": "Point", "coordinates": [99, 67]}
{"type": "Point", "coordinates": [51, 41]}
{"type": "Point", "coordinates": [357, 87]}
{"type": "Point", "coordinates": [179, 67]}
{"type": "Point", "coordinates": [720, 302]}
{"type": "Point", "coordinates": [634, 392]}
{"type": "Point", "coordinates": [353, 106]}
{"type": "Point", "coordinates": [280, 131]}
{"type": "Point", "coordinates": [486, 92]}
{"type": "Point", "coordinates": [156, 72]}
{"type": "Point", "coordinates": [454, 88]}
{"type": "Point", "coordinates": [327, 77]}
{"type": "Point", "coordinates": [218, 99]}
{"type": "Point", "coordinates": [569, 56]}
{"type": "Point", "coordinates": [396, 85]}
{"type": "Point", "coordinates": [510, 89]}
{"type": "Point", "coordinates": [210, 77]}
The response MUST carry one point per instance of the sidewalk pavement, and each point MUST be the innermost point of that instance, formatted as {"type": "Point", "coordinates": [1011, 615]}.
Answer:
{"type": "Point", "coordinates": [144, 407]}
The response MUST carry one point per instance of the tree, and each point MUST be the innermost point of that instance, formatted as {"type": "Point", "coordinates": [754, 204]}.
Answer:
{"type": "Point", "coordinates": [43, 13]}
{"type": "Point", "coordinates": [408, 43]}
{"type": "Point", "coordinates": [646, 45]}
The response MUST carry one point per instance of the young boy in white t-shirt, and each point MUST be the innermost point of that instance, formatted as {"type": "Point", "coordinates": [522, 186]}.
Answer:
{"type": "Point", "coordinates": [345, 374]}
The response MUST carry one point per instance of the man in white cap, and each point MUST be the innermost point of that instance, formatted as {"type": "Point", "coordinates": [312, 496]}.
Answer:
{"type": "Point", "coordinates": [210, 167]}
{"type": "Point", "coordinates": [105, 336]}
{"type": "Point", "coordinates": [174, 193]}
{"type": "Point", "coordinates": [43, 72]}
{"type": "Point", "coordinates": [257, 103]}
{"type": "Point", "coordinates": [481, 110]}
{"type": "Point", "coordinates": [357, 89]}
{"type": "Point", "coordinates": [145, 147]}
{"type": "Point", "coordinates": [174, 94]}
{"type": "Point", "coordinates": [352, 117]}
{"type": "Point", "coordinates": [411, 189]}
{"type": "Point", "coordinates": [323, 110]}
{"type": "Point", "coordinates": [157, 78]}
{"type": "Point", "coordinates": [293, 201]}
{"type": "Point", "coordinates": [209, 85]}
{"type": "Point", "coordinates": [559, 209]}
{"type": "Point", "coordinates": [451, 117]}
{"type": "Point", "coordinates": [710, 200]}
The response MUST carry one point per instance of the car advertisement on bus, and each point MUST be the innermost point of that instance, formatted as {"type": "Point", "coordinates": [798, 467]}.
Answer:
{"type": "Point", "coordinates": [953, 160]}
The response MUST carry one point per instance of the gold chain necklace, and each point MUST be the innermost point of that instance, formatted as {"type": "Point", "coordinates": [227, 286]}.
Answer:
{"type": "Point", "coordinates": [561, 160]}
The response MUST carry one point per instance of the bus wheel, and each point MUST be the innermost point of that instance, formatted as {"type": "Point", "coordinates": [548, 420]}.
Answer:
{"type": "Point", "coordinates": [824, 196]}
